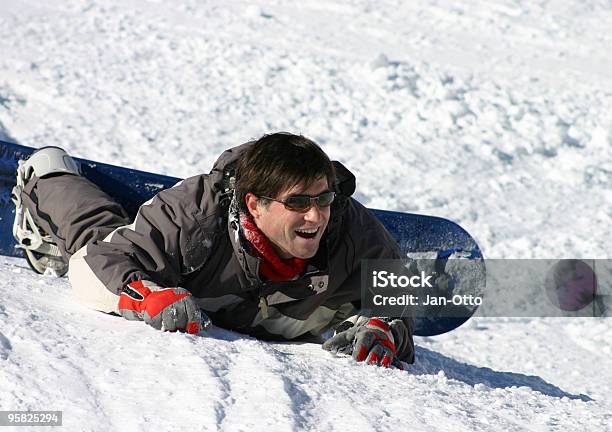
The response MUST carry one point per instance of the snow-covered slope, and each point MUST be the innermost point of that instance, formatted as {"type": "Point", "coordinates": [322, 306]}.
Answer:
{"type": "Point", "coordinates": [497, 115]}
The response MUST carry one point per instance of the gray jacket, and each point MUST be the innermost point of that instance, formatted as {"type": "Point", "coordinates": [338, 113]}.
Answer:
{"type": "Point", "coordinates": [189, 236]}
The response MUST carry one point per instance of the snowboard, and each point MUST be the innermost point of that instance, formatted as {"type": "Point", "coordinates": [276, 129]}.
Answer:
{"type": "Point", "coordinates": [129, 187]}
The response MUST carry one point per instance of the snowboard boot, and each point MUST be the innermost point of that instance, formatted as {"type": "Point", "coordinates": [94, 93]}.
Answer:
{"type": "Point", "coordinates": [40, 250]}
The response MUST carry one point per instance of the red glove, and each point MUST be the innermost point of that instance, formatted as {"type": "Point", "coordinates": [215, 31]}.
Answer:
{"type": "Point", "coordinates": [372, 342]}
{"type": "Point", "coordinates": [166, 309]}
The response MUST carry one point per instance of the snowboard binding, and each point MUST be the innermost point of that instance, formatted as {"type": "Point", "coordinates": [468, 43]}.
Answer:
{"type": "Point", "coordinates": [40, 250]}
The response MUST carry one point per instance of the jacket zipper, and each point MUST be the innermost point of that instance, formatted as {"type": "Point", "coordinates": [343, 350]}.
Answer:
{"type": "Point", "coordinates": [263, 301]}
{"type": "Point", "coordinates": [263, 306]}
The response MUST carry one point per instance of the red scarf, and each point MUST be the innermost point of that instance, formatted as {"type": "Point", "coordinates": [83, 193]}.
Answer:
{"type": "Point", "coordinates": [272, 266]}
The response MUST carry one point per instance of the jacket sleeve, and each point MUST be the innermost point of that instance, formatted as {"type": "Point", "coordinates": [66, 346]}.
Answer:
{"type": "Point", "coordinates": [167, 240]}
{"type": "Point", "coordinates": [171, 237]}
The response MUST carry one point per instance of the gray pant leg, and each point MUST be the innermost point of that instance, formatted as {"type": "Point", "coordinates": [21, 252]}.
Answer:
{"type": "Point", "coordinates": [73, 210]}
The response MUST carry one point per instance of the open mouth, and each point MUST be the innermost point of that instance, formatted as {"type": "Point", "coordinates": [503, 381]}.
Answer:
{"type": "Point", "coordinates": [307, 233]}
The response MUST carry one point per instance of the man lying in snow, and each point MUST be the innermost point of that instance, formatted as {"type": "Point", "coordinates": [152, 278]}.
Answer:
{"type": "Point", "coordinates": [269, 243]}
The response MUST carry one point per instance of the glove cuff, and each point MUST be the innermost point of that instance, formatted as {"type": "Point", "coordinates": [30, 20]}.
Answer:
{"type": "Point", "coordinates": [403, 340]}
{"type": "Point", "coordinates": [132, 298]}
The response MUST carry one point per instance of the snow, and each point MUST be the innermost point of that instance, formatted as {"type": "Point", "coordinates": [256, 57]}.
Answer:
{"type": "Point", "coordinates": [496, 114]}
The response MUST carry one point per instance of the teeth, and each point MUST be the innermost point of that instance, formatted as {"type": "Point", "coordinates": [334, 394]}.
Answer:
{"type": "Point", "coordinates": [311, 231]}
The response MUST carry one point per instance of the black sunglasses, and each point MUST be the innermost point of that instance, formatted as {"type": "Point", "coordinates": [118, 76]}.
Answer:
{"type": "Point", "coordinates": [302, 203]}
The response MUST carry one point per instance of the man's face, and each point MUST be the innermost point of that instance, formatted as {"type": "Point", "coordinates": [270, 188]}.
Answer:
{"type": "Point", "coordinates": [285, 228]}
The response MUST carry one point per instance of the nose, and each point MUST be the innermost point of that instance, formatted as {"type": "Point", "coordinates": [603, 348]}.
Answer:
{"type": "Point", "coordinates": [313, 214]}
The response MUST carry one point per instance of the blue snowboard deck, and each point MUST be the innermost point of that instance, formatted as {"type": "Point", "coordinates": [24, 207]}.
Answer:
{"type": "Point", "coordinates": [130, 188]}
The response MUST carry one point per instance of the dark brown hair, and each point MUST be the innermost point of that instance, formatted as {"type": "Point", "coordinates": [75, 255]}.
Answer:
{"type": "Point", "coordinates": [279, 161]}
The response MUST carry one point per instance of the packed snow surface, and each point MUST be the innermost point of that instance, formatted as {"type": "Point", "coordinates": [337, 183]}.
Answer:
{"type": "Point", "coordinates": [495, 114]}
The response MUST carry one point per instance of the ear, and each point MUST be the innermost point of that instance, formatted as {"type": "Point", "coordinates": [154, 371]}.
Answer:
{"type": "Point", "coordinates": [252, 205]}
